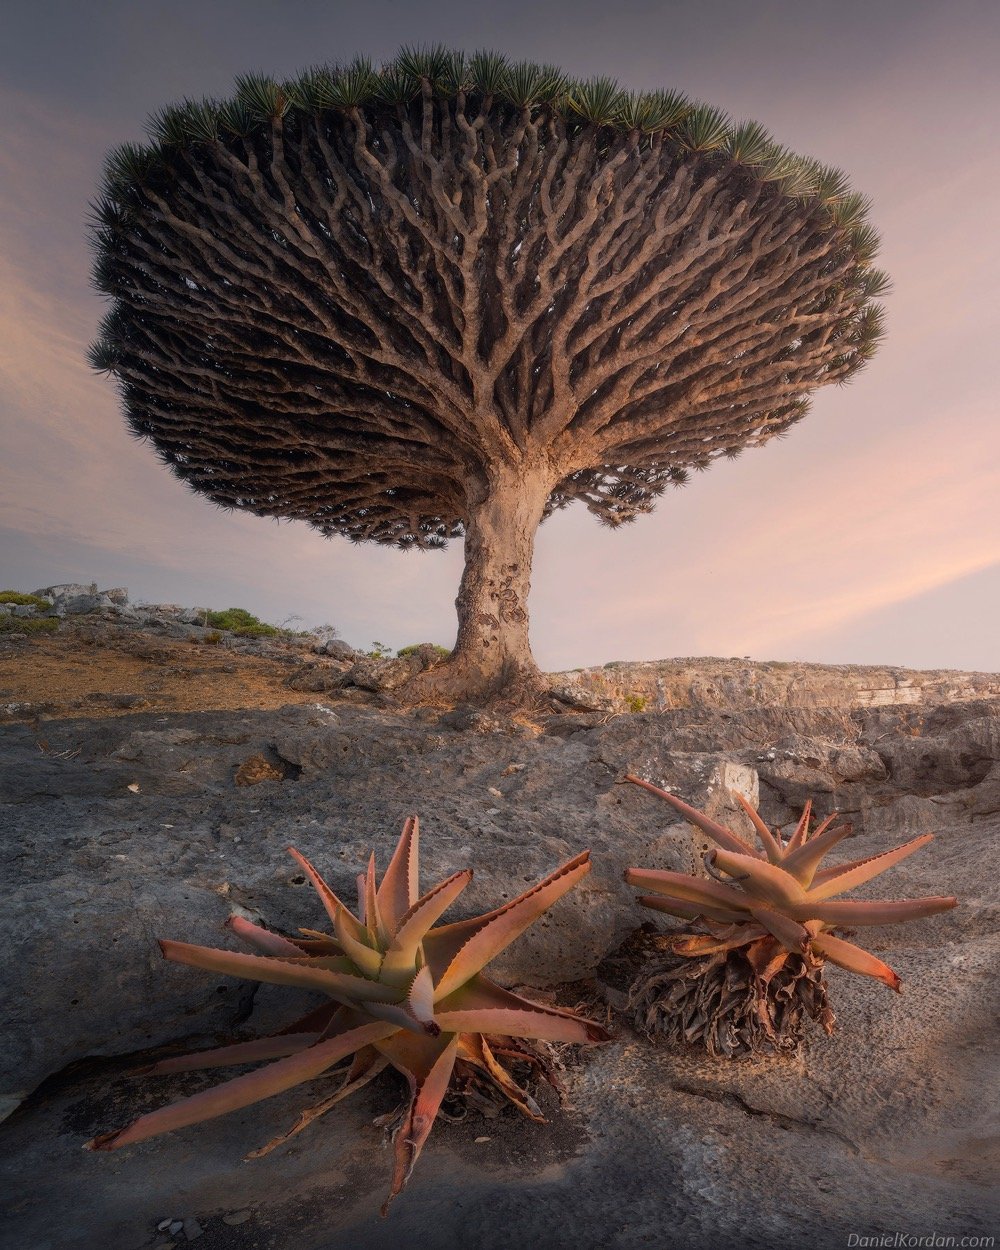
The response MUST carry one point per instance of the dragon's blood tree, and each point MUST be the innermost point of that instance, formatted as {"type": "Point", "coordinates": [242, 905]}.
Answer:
{"type": "Point", "coordinates": [445, 297]}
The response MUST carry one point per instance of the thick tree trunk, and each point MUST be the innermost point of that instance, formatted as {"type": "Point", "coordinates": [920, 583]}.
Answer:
{"type": "Point", "coordinates": [492, 656]}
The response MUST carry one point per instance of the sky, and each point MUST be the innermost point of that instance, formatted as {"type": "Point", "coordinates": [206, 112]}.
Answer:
{"type": "Point", "coordinates": [870, 535]}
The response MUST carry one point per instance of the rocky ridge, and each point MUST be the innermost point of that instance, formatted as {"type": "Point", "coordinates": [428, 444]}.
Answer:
{"type": "Point", "coordinates": [324, 663]}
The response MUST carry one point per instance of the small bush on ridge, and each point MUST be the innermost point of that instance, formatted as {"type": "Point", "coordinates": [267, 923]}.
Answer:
{"type": "Point", "coordinates": [28, 625]}
{"type": "Point", "coordinates": [442, 653]}
{"type": "Point", "coordinates": [242, 623]}
{"type": "Point", "coordinates": [29, 601]}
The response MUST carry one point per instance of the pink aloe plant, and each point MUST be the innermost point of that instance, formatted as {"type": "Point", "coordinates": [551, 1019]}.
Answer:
{"type": "Point", "coordinates": [402, 993]}
{"type": "Point", "coordinates": [775, 907]}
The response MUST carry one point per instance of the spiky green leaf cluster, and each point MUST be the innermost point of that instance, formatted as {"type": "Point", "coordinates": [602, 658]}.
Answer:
{"type": "Point", "coordinates": [403, 991]}
{"type": "Point", "coordinates": [493, 79]}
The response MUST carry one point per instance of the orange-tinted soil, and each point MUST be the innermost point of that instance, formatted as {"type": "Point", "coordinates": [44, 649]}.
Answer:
{"type": "Point", "coordinates": [83, 670]}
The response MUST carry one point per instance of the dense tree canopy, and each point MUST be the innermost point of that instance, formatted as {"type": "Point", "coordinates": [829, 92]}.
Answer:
{"type": "Point", "coordinates": [449, 295]}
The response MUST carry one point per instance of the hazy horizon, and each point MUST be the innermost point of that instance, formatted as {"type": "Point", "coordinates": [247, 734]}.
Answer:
{"type": "Point", "coordinates": [871, 534]}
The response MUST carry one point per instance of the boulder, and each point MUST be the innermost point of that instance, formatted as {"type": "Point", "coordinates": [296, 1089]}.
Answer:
{"type": "Point", "coordinates": [382, 675]}
{"type": "Point", "coordinates": [337, 649]}
{"type": "Point", "coordinates": [65, 590]}
{"type": "Point", "coordinates": [933, 763]}
{"type": "Point", "coordinates": [170, 611]}
{"type": "Point", "coordinates": [583, 698]}
{"type": "Point", "coordinates": [318, 677]}
{"type": "Point", "coordinates": [193, 616]}
{"type": "Point", "coordinates": [170, 626]}
{"type": "Point", "coordinates": [75, 599]}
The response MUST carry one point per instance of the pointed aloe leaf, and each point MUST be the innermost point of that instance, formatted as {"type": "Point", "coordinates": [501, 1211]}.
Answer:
{"type": "Point", "coordinates": [802, 863]}
{"type": "Point", "coordinates": [259, 938]}
{"type": "Point", "coordinates": [320, 1020]}
{"type": "Point", "coordinates": [362, 905]}
{"type": "Point", "coordinates": [798, 838]}
{"type": "Point", "coordinates": [772, 847]}
{"type": "Point", "coordinates": [327, 896]}
{"type": "Point", "coordinates": [853, 875]}
{"type": "Point", "coordinates": [672, 906]}
{"type": "Point", "coordinates": [231, 1056]}
{"type": "Point", "coordinates": [415, 1011]}
{"type": "Point", "coordinates": [329, 975]}
{"type": "Point", "coordinates": [481, 1006]}
{"type": "Point", "coordinates": [398, 1015]}
{"type": "Point", "coordinates": [412, 1054]}
{"type": "Point", "coordinates": [457, 951]}
{"type": "Point", "coordinates": [368, 1063]}
{"type": "Point", "coordinates": [687, 910]}
{"type": "Point", "coordinates": [360, 954]}
{"type": "Point", "coordinates": [374, 923]}
{"type": "Point", "coordinates": [429, 1089]}
{"type": "Point", "coordinates": [718, 833]}
{"type": "Point", "coordinates": [822, 828]}
{"type": "Point", "coordinates": [874, 911]}
{"type": "Point", "coordinates": [400, 958]}
{"type": "Point", "coordinates": [321, 944]}
{"type": "Point", "coordinates": [317, 943]}
{"type": "Point", "coordinates": [344, 1019]}
{"type": "Point", "coordinates": [761, 879]}
{"type": "Point", "coordinates": [474, 1048]}
{"type": "Point", "coordinates": [855, 959]}
{"type": "Point", "coordinates": [399, 888]}
{"type": "Point", "coordinates": [792, 936]}
{"type": "Point", "coordinates": [332, 963]}
{"type": "Point", "coordinates": [244, 1090]}
{"type": "Point", "coordinates": [804, 859]}
{"type": "Point", "coordinates": [690, 889]}
{"type": "Point", "coordinates": [835, 870]}
{"type": "Point", "coordinates": [767, 957]}
{"type": "Point", "coordinates": [707, 945]}
{"type": "Point", "coordinates": [420, 999]}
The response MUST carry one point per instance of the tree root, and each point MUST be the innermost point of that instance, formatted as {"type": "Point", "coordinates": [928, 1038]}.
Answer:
{"type": "Point", "coordinates": [455, 681]}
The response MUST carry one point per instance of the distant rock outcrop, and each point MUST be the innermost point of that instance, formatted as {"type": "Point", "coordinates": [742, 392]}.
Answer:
{"type": "Point", "coordinates": [735, 685]}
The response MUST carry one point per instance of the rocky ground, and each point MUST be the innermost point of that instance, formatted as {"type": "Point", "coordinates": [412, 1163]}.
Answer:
{"type": "Point", "coordinates": [125, 821]}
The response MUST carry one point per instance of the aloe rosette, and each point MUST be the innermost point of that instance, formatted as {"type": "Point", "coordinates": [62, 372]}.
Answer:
{"type": "Point", "coordinates": [402, 993]}
{"type": "Point", "coordinates": [777, 906]}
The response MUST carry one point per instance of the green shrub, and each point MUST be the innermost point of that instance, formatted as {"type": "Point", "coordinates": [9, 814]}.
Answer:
{"type": "Point", "coordinates": [635, 702]}
{"type": "Point", "coordinates": [28, 624]}
{"type": "Point", "coordinates": [213, 638]}
{"type": "Point", "coordinates": [30, 601]}
{"type": "Point", "coordinates": [240, 622]}
{"type": "Point", "coordinates": [442, 653]}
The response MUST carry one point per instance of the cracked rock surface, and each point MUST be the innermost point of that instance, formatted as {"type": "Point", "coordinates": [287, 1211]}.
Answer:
{"type": "Point", "coordinates": [128, 828]}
